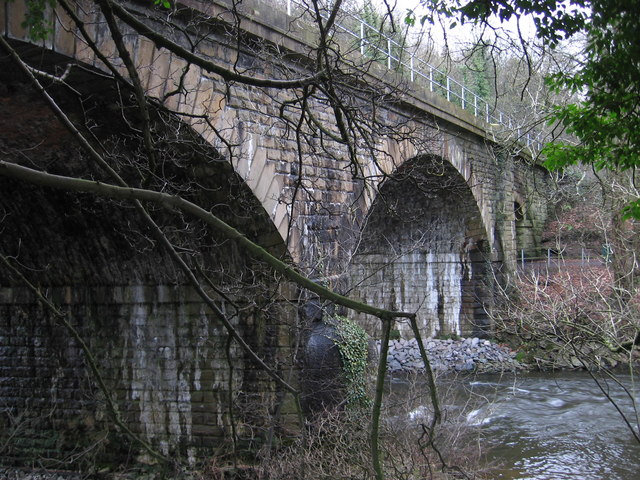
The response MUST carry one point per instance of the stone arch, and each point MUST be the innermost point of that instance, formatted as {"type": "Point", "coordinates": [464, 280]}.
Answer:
{"type": "Point", "coordinates": [190, 155]}
{"type": "Point", "coordinates": [163, 354]}
{"type": "Point", "coordinates": [160, 71]}
{"type": "Point", "coordinates": [466, 157]}
{"type": "Point", "coordinates": [423, 249]}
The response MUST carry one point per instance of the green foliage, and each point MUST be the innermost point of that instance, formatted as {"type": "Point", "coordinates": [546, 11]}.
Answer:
{"type": "Point", "coordinates": [607, 121]}
{"type": "Point", "coordinates": [632, 210]}
{"type": "Point", "coordinates": [40, 25]}
{"type": "Point", "coordinates": [448, 336]}
{"type": "Point", "coordinates": [395, 334]}
{"type": "Point", "coordinates": [555, 20]}
{"type": "Point", "coordinates": [353, 345]}
{"type": "Point", "coordinates": [383, 26]}
{"type": "Point", "coordinates": [526, 351]}
{"type": "Point", "coordinates": [36, 21]}
{"type": "Point", "coordinates": [475, 71]}
{"type": "Point", "coordinates": [410, 18]}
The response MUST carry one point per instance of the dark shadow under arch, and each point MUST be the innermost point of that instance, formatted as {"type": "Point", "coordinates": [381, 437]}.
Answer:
{"type": "Point", "coordinates": [106, 113]}
{"type": "Point", "coordinates": [165, 357]}
{"type": "Point", "coordinates": [423, 249]}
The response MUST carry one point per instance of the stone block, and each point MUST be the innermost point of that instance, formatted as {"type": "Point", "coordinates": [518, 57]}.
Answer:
{"type": "Point", "coordinates": [64, 29]}
{"type": "Point", "coordinates": [143, 59]}
{"type": "Point", "coordinates": [16, 12]}
{"type": "Point", "coordinates": [158, 75]}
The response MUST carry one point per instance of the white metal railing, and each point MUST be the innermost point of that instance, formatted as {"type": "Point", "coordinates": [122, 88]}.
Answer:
{"type": "Point", "coordinates": [420, 72]}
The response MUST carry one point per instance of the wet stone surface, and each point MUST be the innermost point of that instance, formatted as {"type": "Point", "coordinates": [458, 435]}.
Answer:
{"type": "Point", "coordinates": [448, 356]}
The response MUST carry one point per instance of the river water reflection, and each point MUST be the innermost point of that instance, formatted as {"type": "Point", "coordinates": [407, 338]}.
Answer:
{"type": "Point", "coordinates": [554, 427]}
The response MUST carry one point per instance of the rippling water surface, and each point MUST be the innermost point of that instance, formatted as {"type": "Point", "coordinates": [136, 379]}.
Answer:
{"type": "Point", "coordinates": [555, 427]}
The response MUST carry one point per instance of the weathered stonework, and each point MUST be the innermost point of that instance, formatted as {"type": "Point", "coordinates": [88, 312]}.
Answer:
{"type": "Point", "coordinates": [163, 353]}
{"type": "Point", "coordinates": [165, 357]}
{"type": "Point", "coordinates": [324, 218]}
{"type": "Point", "coordinates": [423, 250]}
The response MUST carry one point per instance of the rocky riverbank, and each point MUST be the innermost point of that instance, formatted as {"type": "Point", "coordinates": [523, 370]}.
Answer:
{"type": "Point", "coordinates": [450, 356]}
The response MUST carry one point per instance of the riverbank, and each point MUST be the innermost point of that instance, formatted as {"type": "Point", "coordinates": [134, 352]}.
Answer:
{"type": "Point", "coordinates": [451, 356]}
{"type": "Point", "coordinates": [474, 355]}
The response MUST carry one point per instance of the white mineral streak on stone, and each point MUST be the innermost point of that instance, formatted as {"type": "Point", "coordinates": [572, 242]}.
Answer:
{"type": "Point", "coordinates": [451, 279]}
{"type": "Point", "coordinates": [159, 384]}
{"type": "Point", "coordinates": [169, 377]}
{"type": "Point", "coordinates": [456, 156]}
{"type": "Point", "coordinates": [250, 153]}
{"type": "Point", "coordinates": [415, 282]}
{"type": "Point", "coordinates": [139, 373]}
{"type": "Point", "coordinates": [164, 447]}
{"type": "Point", "coordinates": [200, 350]}
{"type": "Point", "coordinates": [429, 309]}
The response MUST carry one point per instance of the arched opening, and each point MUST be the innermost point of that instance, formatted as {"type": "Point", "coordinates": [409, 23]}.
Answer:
{"type": "Point", "coordinates": [177, 379]}
{"type": "Point", "coordinates": [526, 237]}
{"type": "Point", "coordinates": [422, 250]}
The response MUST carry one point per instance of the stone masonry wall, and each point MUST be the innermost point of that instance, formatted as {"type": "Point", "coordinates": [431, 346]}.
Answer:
{"type": "Point", "coordinates": [162, 355]}
{"type": "Point", "coordinates": [422, 251]}
{"type": "Point", "coordinates": [174, 377]}
{"type": "Point", "coordinates": [532, 196]}
{"type": "Point", "coordinates": [317, 206]}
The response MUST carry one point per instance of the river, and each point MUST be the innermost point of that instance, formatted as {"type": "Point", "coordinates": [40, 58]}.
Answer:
{"type": "Point", "coordinates": [553, 426]}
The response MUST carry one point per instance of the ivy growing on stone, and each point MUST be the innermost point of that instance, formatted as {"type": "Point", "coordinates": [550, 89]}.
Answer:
{"type": "Point", "coordinates": [353, 344]}
{"type": "Point", "coordinates": [35, 21]}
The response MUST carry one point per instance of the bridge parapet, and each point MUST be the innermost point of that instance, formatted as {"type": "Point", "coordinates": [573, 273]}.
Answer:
{"type": "Point", "coordinates": [423, 77]}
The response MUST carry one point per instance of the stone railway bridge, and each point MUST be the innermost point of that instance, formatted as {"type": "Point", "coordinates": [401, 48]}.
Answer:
{"type": "Point", "coordinates": [416, 214]}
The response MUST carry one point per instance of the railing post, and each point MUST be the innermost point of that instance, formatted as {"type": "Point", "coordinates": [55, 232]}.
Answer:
{"type": "Point", "coordinates": [502, 119]}
{"type": "Point", "coordinates": [412, 79]}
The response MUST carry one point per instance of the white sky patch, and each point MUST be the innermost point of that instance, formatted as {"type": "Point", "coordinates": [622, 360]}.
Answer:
{"type": "Point", "coordinates": [460, 36]}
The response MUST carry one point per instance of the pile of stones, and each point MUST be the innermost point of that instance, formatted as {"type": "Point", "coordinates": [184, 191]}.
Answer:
{"type": "Point", "coordinates": [448, 356]}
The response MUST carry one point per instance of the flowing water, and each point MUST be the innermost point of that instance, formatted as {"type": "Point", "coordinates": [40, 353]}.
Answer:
{"type": "Point", "coordinates": [555, 426]}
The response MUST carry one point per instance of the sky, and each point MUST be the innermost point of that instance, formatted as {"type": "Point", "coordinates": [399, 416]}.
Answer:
{"type": "Point", "coordinates": [461, 34]}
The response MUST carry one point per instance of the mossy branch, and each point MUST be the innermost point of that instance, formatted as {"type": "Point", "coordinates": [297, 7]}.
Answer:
{"type": "Point", "coordinates": [377, 402]}
{"type": "Point", "coordinates": [433, 392]}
